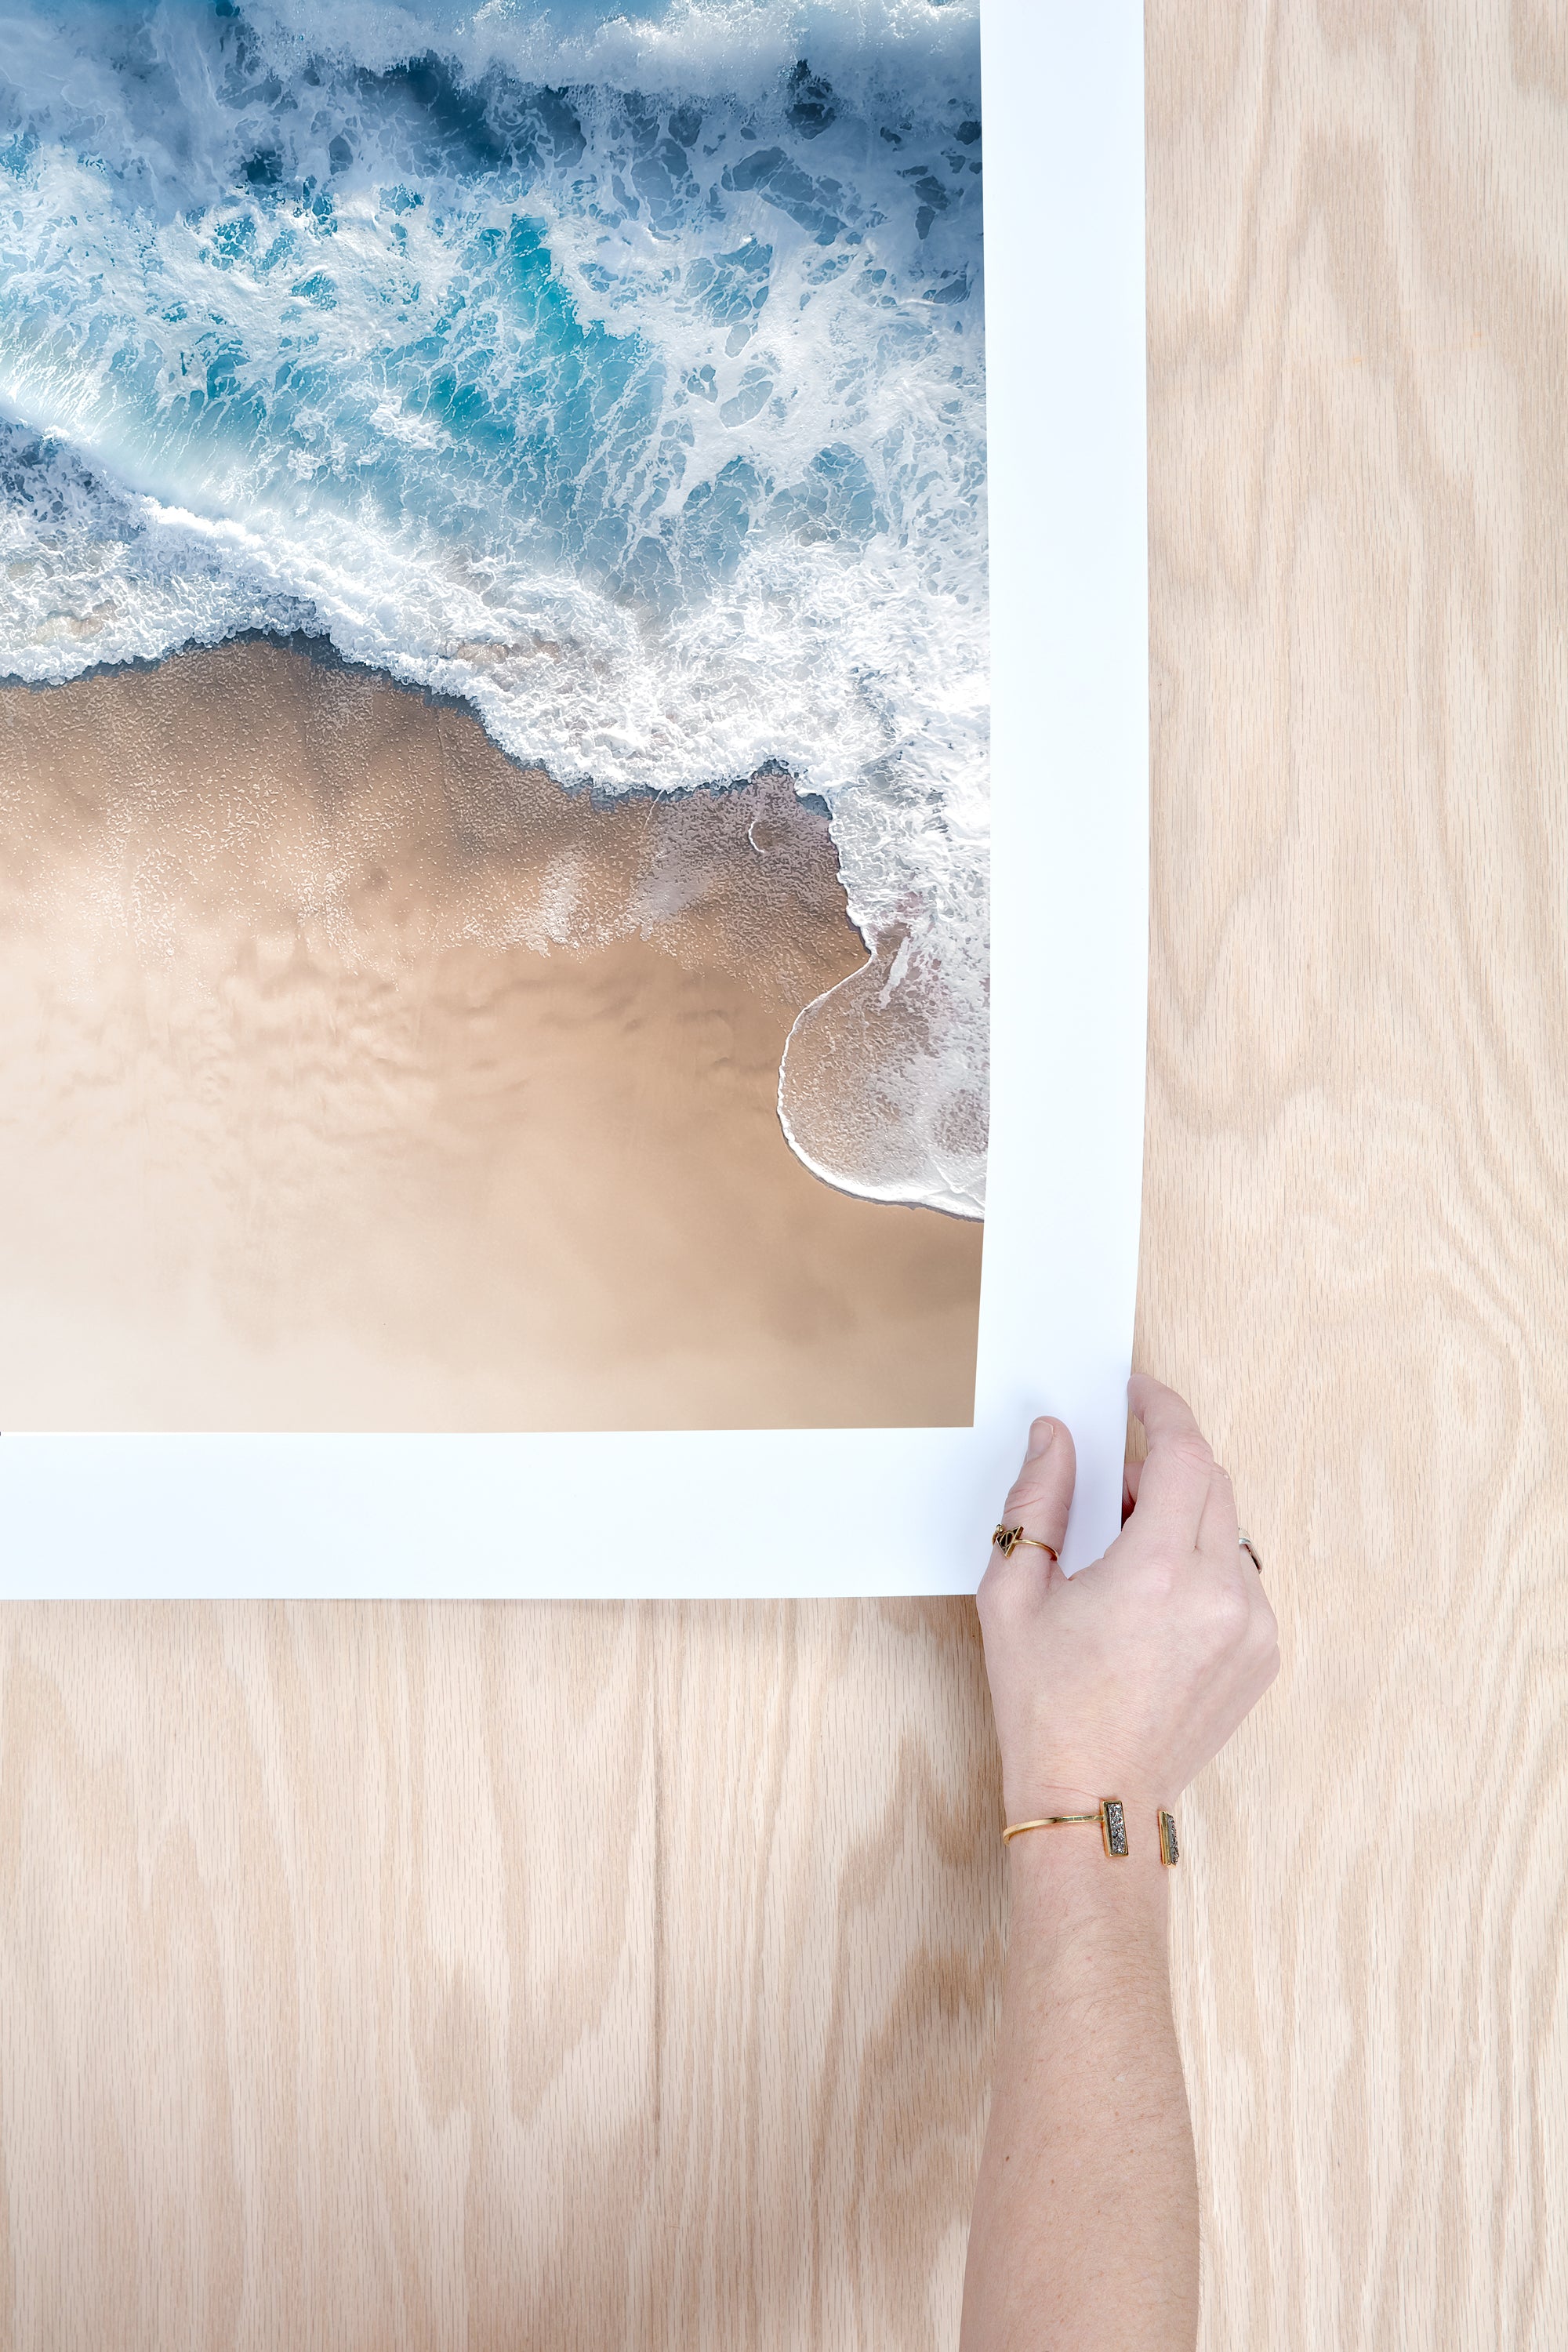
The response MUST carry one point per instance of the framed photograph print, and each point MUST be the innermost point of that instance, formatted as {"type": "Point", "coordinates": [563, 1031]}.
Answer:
{"type": "Point", "coordinates": [572, 788]}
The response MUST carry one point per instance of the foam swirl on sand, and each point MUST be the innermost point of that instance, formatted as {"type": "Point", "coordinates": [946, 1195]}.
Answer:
{"type": "Point", "coordinates": [618, 371]}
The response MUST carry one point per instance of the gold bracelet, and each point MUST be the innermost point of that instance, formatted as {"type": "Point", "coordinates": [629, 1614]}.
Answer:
{"type": "Point", "coordinates": [1112, 1819]}
{"type": "Point", "coordinates": [1109, 1813]}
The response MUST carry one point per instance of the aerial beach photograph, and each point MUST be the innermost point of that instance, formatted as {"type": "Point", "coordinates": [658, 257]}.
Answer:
{"type": "Point", "coordinates": [493, 715]}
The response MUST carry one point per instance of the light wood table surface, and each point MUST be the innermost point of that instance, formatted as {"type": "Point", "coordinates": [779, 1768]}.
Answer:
{"type": "Point", "coordinates": [478, 1977]}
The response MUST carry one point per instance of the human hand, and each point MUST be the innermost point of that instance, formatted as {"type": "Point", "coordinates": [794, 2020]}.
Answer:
{"type": "Point", "coordinates": [1125, 1679]}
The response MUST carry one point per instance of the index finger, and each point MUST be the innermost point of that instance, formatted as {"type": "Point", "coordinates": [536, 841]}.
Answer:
{"type": "Point", "coordinates": [1175, 1483]}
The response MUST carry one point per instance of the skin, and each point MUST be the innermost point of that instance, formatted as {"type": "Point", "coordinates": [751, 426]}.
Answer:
{"type": "Point", "coordinates": [1122, 1681]}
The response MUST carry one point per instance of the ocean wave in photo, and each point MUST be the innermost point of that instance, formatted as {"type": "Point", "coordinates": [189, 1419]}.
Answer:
{"type": "Point", "coordinates": [618, 370]}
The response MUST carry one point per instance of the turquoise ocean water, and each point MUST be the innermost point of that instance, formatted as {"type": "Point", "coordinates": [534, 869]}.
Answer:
{"type": "Point", "coordinates": [620, 371]}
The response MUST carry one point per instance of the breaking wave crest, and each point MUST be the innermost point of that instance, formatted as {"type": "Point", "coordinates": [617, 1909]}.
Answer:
{"type": "Point", "coordinates": [621, 372]}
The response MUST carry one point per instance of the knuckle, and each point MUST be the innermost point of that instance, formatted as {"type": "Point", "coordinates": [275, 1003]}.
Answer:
{"type": "Point", "coordinates": [1192, 1449]}
{"type": "Point", "coordinates": [1221, 1617]}
{"type": "Point", "coordinates": [1157, 1579]}
{"type": "Point", "coordinates": [1030, 1488]}
{"type": "Point", "coordinates": [1000, 1594]}
{"type": "Point", "coordinates": [1230, 1613]}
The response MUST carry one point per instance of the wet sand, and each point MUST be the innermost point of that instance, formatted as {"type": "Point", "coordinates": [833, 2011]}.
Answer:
{"type": "Point", "coordinates": [352, 1078]}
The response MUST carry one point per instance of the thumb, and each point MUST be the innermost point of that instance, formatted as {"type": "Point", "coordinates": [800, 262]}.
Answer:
{"type": "Point", "coordinates": [1041, 1494]}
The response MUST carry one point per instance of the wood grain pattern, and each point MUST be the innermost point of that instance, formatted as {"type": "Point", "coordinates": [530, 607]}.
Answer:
{"type": "Point", "coordinates": [480, 1977]}
{"type": "Point", "coordinates": [1357, 1145]}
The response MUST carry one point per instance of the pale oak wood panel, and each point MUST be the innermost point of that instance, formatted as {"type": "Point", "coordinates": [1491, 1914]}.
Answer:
{"type": "Point", "coordinates": [1357, 1148]}
{"type": "Point", "coordinates": [453, 1976]}
{"type": "Point", "coordinates": [427, 1976]}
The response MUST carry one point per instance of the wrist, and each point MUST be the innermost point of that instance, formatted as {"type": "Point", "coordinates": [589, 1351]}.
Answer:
{"type": "Point", "coordinates": [1029, 1793]}
{"type": "Point", "coordinates": [1064, 1889]}
{"type": "Point", "coordinates": [1093, 1852]}
{"type": "Point", "coordinates": [1127, 1813]}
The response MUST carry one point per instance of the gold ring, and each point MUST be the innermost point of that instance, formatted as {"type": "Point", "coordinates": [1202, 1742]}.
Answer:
{"type": "Point", "coordinates": [1249, 1548]}
{"type": "Point", "coordinates": [1008, 1540]}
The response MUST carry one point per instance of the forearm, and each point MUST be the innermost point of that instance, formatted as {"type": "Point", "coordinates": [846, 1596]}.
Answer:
{"type": "Point", "coordinates": [1085, 2225]}
{"type": "Point", "coordinates": [1128, 1676]}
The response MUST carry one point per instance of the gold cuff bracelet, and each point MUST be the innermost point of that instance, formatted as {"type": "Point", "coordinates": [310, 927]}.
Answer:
{"type": "Point", "coordinates": [1112, 1815]}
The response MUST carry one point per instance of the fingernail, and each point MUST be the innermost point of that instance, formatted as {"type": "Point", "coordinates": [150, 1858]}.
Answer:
{"type": "Point", "coordinates": [1041, 1437]}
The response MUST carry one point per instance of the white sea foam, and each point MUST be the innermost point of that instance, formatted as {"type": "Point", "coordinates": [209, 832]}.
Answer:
{"type": "Point", "coordinates": [622, 374]}
{"type": "Point", "coordinates": [876, 52]}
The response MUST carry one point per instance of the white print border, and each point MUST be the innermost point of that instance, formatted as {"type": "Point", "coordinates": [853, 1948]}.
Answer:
{"type": "Point", "coordinates": [807, 1512]}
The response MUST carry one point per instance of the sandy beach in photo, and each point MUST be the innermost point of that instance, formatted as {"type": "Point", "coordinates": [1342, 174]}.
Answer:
{"type": "Point", "coordinates": [494, 619]}
{"type": "Point", "coordinates": [355, 1077]}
